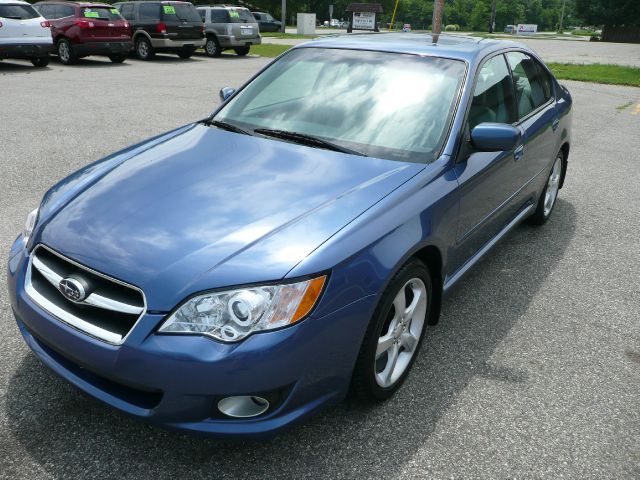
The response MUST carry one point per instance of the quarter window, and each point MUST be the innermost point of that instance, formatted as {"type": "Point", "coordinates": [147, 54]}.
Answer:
{"type": "Point", "coordinates": [493, 99]}
{"type": "Point", "coordinates": [127, 11]}
{"type": "Point", "coordinates": [149, 11]}
{"type": "Point", "coordinates": [532, 88]}
{"type": "Point", "coordinates": [219, 16]}
{"type": "Point", "coordinates": [203, 14]}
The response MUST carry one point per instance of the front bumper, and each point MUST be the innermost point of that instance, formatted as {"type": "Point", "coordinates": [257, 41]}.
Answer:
{"type": "Point", "coordinates": [27, 50]}
{"type": "Point", "coordinates": [102, 48]}
{"type": "Point", "coordinates": [176, 381]}
{"type": "Point", "coordinates": [167, 43]}
{"type": "Point", "coordinates": [230, 41]}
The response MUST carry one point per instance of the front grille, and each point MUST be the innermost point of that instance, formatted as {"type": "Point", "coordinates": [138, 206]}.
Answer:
{"type": "Point", "coordinates": [105, 308]}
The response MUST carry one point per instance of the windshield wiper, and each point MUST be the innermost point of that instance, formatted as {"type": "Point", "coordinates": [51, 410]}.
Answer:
{"type": "Point", "coordinates": [226, 126]}
{"type": "Point", "coordinates": [305, 139]}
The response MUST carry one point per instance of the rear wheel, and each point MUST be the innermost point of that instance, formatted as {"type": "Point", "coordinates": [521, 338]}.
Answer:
{"type": "Point", "coordinates": [212, 47]}
{"type": "Point", "coordinates": [394, 335]}
{"type": "Point", "coordinates": [144, 50]}
{"type": "Point", "coordinates": [186, 52]}
{"type": "Point", "coordinates": [65, 52]}
{"type": "Point", "coordinates": [119, 58]}
{"type": "Point", "coordinates": [548, 197]}
{"type": "Point", "coordinates": [241, 51]}
{"type": "Point", "coordinates": [40, 61]}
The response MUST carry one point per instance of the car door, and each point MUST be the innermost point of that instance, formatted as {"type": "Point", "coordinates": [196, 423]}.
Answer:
{"type": "Point", "coordinates": [488, 181]}
{"type": "Point", "coordinates": [537, 114]}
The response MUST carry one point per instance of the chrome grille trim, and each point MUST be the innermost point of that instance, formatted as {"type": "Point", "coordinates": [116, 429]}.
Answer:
{"type": "Point", "coordinates": [94, 300]}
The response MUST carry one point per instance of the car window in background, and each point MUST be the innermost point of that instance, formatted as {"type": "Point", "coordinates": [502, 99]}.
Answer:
{"type": "Point", "coordinates": [66, 11]}
{"type": "Point", "coordinates": [18, 12]}
{"type": "Point", "coordinates": [203, 14]}
{"type": "Point", "coordinates": [100, 13]}
{"type": "Point", "coordinates": [384, 105]}
{"type": "Point", "coordinates": [240, 15]}
{"type": "Point", "coordinates": [530, 92]}
{"type": "Point", "coordinates": [148, 11]}
{"type": "Point", "coordinates": [127, 11]}
{"type": "Point", "coordinates": [219, 16]}
{"type": "Point", "coordinates": [184, 12]}
{"type": "Point", "coordinates": [493, 99]}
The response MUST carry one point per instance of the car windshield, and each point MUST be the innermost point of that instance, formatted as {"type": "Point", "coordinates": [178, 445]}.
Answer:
{"type": "Point", "coordinates": [386, 105]}
{"type": "Point", "coordinates": [18, 12]}
{"type": "Point", "coordinates": [184, 12]}
{"type": "Point", "coordinates": [102, 13]}
{"type": "Point", "coordinates": [240, 15]}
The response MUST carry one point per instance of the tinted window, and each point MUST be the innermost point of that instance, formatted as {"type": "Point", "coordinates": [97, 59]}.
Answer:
{"type": "Point", "coordinates": [65, 11]}
{"type": "Point", "coordinates": [148, 11]}
{"type": "Point", "coordinates": [219, 16]}
{"type": "Point", "coordinates": [529, 83]}
{"type": "Point", "coordinates": [184, 12]}
{"type": "Point", "coordinates": [241, 15]}
{"type": "Point", "coordinates": [545, 79]}
{"type": "Point", "coordinates": [203, 14]}
{"type": "Point", "coordinates": [493, 99]}
{"type": "Point", "coordinates": [127, 11]}
{"type": "Point", "coordinates": [257, 16]}
{"type": "Point", "coordinates": [18, 12]}
{"type": "Point", "coordinates": [386, 105]}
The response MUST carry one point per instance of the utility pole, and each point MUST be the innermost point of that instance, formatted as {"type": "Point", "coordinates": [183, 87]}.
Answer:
{"type": "Point", "coordinates": [492, 25]}
{"type": "Point", "coordinates": [284, 16]}
{"type": "Point", "coordinates": [438, 6]}
{"type": "Point", "coordinates": [562, 16]}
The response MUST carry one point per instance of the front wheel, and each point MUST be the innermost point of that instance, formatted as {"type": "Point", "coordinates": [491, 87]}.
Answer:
{"type": "Point", "coordinates": [394, 335]}
{"type": "Point", "coordinates": [40, 62]}
{"type": "Point", "coordinates": [241, 51]}
{"type": "Point", "coordinates": [548, 197]}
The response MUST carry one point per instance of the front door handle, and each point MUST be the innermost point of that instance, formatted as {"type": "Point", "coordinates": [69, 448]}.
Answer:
{"type": "Point", "coordinates": [555, 124]}
{"type": "Point", "coordinates": [518, 153]}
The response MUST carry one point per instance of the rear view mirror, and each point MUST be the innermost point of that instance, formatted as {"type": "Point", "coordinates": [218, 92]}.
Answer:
{"type": "Point", "coordinates": [226, 92]}
{"type": "Point", "coordinates": [494, 137]}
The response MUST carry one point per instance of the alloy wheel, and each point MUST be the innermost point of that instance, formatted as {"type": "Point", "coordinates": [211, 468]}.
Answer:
{"type": "Point", "coordinates": [553, 184]}
{"type": "Point", "coordinates": [143, 49]}
{"type": "Point", "coordinates": [212, 47]}
{"type": "Point", "coordinates": [401, 333]}
{"type": "Point", "coordinates": [63, 52]}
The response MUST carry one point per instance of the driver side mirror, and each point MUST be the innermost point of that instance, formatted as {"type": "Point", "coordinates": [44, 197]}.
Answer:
{"type": "Point", "coordinates": [226, 92]}
{"type": "Point", "coordinates": [494, 137]}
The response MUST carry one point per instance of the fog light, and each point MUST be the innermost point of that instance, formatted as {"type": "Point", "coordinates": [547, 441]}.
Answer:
{"type": "Point", "coordinates": [243, 406]}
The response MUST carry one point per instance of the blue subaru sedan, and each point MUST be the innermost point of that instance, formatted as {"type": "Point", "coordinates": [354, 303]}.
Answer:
{"type": "Point", "coordinates": [235, 275]}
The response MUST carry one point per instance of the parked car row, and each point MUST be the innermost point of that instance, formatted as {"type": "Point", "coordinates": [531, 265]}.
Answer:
{"type": "Point", "coordinates": [73, 30]}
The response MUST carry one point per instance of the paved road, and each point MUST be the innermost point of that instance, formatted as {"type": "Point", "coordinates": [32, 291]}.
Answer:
{"type": "Point", "coordinates": [533, 372]}
{"type": "Point", "coordinates": [562, 51]}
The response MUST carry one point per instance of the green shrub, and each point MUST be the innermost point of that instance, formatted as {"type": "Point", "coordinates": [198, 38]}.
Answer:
{"type": "Point", "coordinates": [452, 28]}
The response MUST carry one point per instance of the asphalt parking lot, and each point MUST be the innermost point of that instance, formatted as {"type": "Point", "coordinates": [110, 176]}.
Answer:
{"type": "Point", "coordinates": [533, 371]}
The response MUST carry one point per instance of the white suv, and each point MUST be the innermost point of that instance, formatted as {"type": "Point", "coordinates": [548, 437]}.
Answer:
{"type": "Point", "coordinates": [24, 33]}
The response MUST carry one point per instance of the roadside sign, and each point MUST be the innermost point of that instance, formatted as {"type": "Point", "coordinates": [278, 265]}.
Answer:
{"type": "Point", "coordinates": [526, 29]}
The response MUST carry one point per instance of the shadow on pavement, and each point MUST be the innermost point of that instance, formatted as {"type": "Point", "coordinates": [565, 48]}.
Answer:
{"type": "Point", "coordinates": [71, 435]}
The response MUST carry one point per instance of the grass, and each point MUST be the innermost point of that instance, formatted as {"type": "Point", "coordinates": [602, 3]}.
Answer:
{"type": "Point", "coordinates": [597, 73]}
{"type": "Point", "coordinates": [269, 49]}
{"type": "Point", "coordinates": [286, 35]}
{"type": "Point", "coordinates": [624, 106]}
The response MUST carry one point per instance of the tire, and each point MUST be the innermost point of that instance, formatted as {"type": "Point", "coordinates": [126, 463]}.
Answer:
{"type": "Point", "coordinates": [66, 54]}
{"type": "Point", "coordinates": [241, 51]}
{"type": "Point", "coordinates": [186, 53]}
{"type": "Point", "coordinates": [212, 47]}
{"type": "Point", "coordinates": [549, 194]}
{"type": "Point", "coordinates": [392, 341]}
{"type": "Point", "coordinates": [119, 58]}
{"type": "Point", "coordinates": [40, 62]}
{"type": "Point", "coordinates": [144, 49]}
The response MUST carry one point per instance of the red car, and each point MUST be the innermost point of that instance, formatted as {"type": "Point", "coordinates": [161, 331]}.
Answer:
{"type": "Point", "coordinates": [83, 29]}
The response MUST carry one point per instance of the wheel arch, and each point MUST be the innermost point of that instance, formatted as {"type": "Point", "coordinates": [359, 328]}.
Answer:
{"type": "Point", "coordinates": [138, 33]}
{"type": "Point", "coordinates": [565, 153]}
{"type": "Point", "coordinates": [432, 258]}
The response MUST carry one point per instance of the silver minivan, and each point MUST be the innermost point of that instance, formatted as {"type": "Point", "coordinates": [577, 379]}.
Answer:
{"type": "Point", "coordinates": [229, 27]}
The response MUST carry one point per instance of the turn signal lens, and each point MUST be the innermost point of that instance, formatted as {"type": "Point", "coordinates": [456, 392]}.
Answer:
{"type": "Point", "coordinates": [314, 288]}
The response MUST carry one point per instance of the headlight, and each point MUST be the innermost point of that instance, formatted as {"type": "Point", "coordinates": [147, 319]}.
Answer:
{"type": "Point", "coordinates": [232, 315]}
{"type": "Point", "coordinates": [29, 225]}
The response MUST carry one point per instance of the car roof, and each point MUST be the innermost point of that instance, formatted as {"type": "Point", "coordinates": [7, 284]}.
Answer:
{"type": "Point", "coordinates": [20, 2]}
{"type": "Point", "coordinates": [71, 2]}
{"type": "Point", "coordinates": [445, 45]}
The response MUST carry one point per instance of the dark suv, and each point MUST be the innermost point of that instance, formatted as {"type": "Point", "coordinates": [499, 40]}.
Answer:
{"type": "Point", "coordinates": [83, 29]}
{"type": "Point", "coordinates": [163, 27]}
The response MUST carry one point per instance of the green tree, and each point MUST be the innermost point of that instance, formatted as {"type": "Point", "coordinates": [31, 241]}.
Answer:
{"type": "Point", "coordinates": [609, 12]}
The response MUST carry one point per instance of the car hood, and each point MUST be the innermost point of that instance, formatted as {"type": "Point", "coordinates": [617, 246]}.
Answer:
{"type": "Point", "coordinates": [205, 208]}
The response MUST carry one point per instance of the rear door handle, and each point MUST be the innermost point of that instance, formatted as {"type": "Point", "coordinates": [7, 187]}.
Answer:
{"type": "Point", "coordinates": [555, 124]}
{"type": "Point", "coordinates": [518, 152]}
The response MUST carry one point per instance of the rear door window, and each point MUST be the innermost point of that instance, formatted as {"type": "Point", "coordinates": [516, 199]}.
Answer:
{"type": "Point", "coordinates": [65, 11]}
{"type": "Point", "coordinates": [18, 12]}
{"type": "Point", "coordinates": [183, 12]}
{"type": "Point", "coordinates": [203, 14]}
{"type": "Point", "coordinates": [531, 90]}
{"type": "Point", "coordinates": [493, 99]}
{"type": "Point", "coordinates": [219, 16]}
